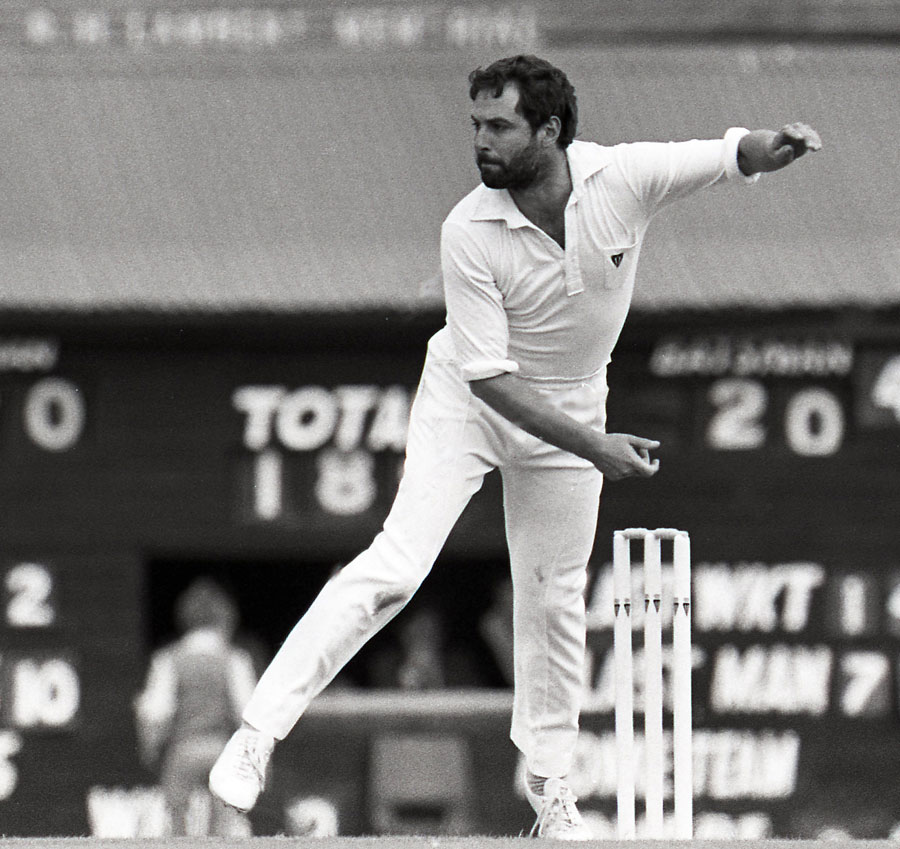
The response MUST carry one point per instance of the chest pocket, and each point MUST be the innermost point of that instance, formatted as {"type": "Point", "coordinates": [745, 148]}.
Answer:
{"type": "Point", "coordinates": [608, 266]}
{"type": "Point", "coordinates": [613, 266]}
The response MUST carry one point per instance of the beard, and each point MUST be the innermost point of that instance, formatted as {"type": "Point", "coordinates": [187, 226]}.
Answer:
{"type": "Point", "coordinates": [519, 172]}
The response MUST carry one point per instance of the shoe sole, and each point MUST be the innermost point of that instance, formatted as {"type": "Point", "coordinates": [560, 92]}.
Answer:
{"type": "Point", "coordinates": [241, 809]}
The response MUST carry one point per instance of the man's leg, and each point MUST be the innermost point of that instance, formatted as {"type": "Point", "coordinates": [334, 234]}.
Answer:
{"type": "Point", "coordinates": [551, 522]}
{"type": "Point", "coordinates": [551, 515]}
{"type": "Point", "coordinates": [447, 458]}
{"type": "Point", "coordinates": [444, 468]}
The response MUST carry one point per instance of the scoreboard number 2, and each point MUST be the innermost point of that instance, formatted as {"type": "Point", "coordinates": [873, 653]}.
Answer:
{"type": "Point", "coordinates": [29, 588]}
{"type": "Point", "coordinates": [736, 424]}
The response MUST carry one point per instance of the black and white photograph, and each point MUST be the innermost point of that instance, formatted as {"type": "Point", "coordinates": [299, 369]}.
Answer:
{"type": "Point", "coordinates": [449, 424]}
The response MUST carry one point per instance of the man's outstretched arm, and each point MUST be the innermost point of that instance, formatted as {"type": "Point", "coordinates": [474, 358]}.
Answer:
{"type": "Point", "coordinates": [769, 150]}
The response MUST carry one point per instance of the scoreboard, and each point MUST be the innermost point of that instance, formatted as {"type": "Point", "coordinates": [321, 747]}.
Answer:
{"type": "Point", "coordinates": [139, 450]}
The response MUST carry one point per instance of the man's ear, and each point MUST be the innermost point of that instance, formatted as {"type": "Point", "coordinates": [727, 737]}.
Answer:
{"type": "Point", "coordinates": [550, 130]}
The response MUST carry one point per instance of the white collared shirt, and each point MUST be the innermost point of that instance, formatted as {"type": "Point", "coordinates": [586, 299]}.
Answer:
{"type": "Point", "coordinates": [517, 302]}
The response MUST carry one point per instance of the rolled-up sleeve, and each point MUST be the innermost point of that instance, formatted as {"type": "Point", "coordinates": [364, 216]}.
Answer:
{"type": "Point", "coordinates": [730, 156]}
{"type": "Point", "coordinates": [475, 313]}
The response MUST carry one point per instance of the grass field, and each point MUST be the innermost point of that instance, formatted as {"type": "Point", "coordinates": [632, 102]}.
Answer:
{"type": "Point", "coordinates": [415, 843]}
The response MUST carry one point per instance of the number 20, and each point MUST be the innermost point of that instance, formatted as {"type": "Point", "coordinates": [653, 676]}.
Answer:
{"type": "Point", "coordinates": [813, 422]}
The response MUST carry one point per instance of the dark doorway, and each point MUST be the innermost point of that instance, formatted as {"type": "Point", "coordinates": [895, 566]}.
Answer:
{"type": "Point", "coordinates": [272, 594]}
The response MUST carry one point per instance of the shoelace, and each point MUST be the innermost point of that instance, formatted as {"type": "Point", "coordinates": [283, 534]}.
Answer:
{"type": "Point", "coordinates": [250, 760]}
{"type": "Point", "coordinates": [562, 803]}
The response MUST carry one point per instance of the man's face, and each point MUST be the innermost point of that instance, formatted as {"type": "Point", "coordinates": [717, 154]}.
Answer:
{"type": "Point", "coordinates": [506, 150]}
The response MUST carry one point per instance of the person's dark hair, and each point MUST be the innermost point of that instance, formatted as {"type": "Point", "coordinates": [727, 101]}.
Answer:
{"type": "Point", "coordinates": [544, 91]}
{"type": "Point", "coordinates": [204, 604]}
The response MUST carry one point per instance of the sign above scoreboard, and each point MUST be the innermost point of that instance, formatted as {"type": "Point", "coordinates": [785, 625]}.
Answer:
{"type": "Point", "coordinates": [745, 356]}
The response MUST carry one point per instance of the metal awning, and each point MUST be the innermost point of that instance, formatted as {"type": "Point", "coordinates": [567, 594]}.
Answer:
{"type": "Point", "coordinates": [316, 180]}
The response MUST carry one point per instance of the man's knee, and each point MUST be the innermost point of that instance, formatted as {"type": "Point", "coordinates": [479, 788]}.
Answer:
{"type": "Point", "coordinates": [400, 572]}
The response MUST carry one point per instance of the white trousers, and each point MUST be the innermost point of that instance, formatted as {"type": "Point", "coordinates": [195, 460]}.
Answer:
{"type": "Point", "coordinates": [551, 500]}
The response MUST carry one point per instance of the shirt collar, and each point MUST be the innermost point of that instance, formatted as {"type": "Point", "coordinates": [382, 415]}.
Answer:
{"type": "Point", "coordinates": [585, 160]}
{"type": "Point", "coordinates": [498, 205]}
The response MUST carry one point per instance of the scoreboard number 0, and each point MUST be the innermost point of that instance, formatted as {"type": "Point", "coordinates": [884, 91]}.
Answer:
{"type": "Point", "coordinates": [814, 423]}
{"type": "Point", "coordinates": [54, 414]}
{"type": "Point", "coordinates": [814, 420]}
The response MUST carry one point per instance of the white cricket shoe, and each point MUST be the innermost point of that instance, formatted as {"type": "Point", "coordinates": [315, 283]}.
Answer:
{"type": "Point", "coordinates": [239, 775]}
{"type": "Point", "coordinates": [558, 818]}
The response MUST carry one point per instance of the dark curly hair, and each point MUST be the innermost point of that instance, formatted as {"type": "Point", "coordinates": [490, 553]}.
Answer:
{"type": "Point", "coordinates": [544, 91]}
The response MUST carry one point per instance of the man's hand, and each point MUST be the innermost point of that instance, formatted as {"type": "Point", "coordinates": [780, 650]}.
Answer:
{"type": "Point", "coordinates": [768, 150]}
{"type": "Point", "coordinates": [621, 455]}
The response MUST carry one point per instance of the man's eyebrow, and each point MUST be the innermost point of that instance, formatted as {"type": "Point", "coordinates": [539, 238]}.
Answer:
{"type": "Point", "coordinates": [497, 120]}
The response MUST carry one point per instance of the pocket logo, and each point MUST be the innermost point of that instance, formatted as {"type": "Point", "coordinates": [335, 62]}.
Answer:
{"type": "Point", "coordinates": [617, 259]}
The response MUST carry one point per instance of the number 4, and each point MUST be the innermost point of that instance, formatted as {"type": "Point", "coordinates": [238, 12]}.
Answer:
{"type": "Point", "coordinates": [886, 389]}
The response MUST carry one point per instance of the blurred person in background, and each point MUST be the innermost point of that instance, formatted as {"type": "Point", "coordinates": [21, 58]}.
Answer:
{"type": "Point", "coordinates": [422, 643]}
{"type": "Point", "coordinates": [194, 692]}
{"type": "Point", "coordinates": [416, 661]}
{"type": "Point", "coordinates": [538, 268]}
